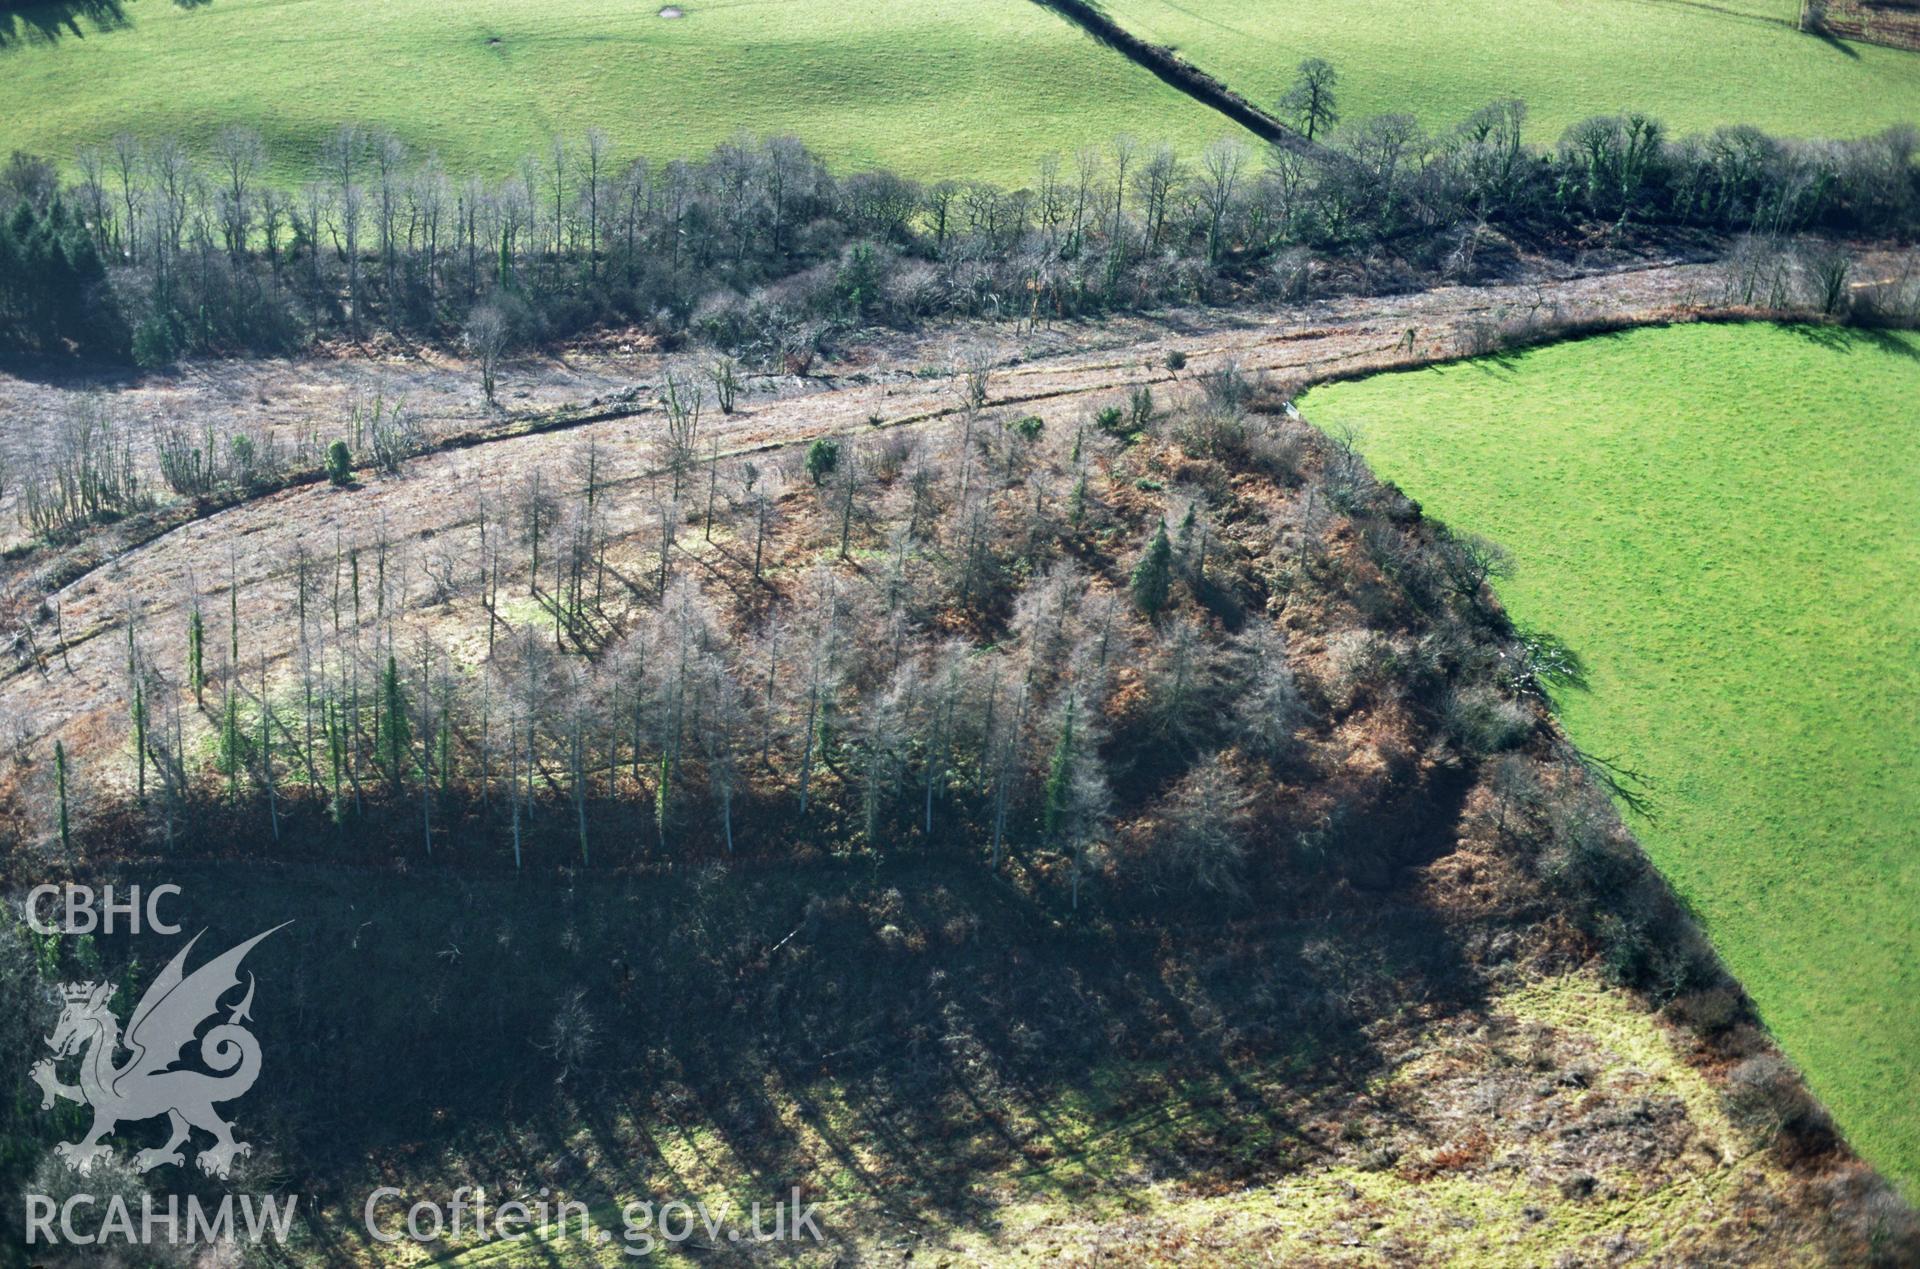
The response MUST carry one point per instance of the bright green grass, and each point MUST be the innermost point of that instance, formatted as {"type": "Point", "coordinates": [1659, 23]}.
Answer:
{"type": "Point", "coordinates": [1693, 63]}
{"type": "Point", "coordinates": [1722, 521]}
{"type": "Point", "coordinates": [966, 88]}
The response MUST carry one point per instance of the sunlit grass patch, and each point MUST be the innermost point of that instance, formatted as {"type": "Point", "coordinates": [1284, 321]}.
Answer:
{"type": "Point", "coordinates": [1720, 520]}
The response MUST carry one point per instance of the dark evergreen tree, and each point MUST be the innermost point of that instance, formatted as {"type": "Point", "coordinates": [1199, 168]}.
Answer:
{"type": "Point", "coordinates": [54, 292]}
{"type": "Point", "coordinates": [395, 736]}
{"type": "Point", "coordinates": [1152, 577]}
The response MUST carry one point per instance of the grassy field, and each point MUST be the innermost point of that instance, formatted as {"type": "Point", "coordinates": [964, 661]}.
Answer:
{"type": "Point", "coordinates": [1720, 520]}
{"type": "Point", "coordinates": [1696, 65]}
{"type": "Point", "coordinates": [974, 88]}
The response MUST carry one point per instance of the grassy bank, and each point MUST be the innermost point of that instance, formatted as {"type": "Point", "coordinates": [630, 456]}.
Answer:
{"type": "Point", "coordinates": [1719, 519]}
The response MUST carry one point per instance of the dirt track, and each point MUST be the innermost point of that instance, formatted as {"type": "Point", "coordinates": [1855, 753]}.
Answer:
{"type": "Point", "coordinates": [1057, 373]}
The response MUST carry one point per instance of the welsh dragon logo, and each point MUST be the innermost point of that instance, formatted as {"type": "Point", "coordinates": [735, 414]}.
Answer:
{"type": "Point", "coordinates": [163, 1024]}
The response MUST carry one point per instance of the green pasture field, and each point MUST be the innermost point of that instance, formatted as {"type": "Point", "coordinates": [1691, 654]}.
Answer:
{"type": "Point", "coordinates": [973, 88]}
{"type": "Point", "coordinates": [967, 88]}
{"type": "Point", "coordinates": [1696, 65]}
{"type": "Point", "coordinates": [1721, 521]}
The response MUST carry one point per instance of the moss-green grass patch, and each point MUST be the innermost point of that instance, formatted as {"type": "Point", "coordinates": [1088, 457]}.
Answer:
{"type": "Point", "coordinates": [973, 88]}
{"type": "Point", "coordinates": [1721, 520]}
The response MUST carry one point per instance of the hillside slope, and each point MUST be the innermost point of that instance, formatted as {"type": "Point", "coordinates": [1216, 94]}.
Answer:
{"type": "Point", "coordinates": [891, 825]}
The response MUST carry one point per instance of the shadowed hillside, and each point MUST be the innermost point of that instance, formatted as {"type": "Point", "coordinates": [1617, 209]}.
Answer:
{"type": "Point", "coordinates": [1037, 829]}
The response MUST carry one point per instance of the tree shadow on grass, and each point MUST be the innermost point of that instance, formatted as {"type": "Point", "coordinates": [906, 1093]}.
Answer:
{"type": "Point", "coordinates": [1508, 358]}
{"type": "Point", "coordinates": [1835, 43]}
{"type": "Point", "coordinates": [1845, 339]}
{"type": "Point", "coordinates": [51, 23]}
{"type": "Point", "coordinates": [1553, 662]}
{"type": "Point", "coordinates": [920, 1038]}
{"type": "Point", "coordinates": [1725, 12]}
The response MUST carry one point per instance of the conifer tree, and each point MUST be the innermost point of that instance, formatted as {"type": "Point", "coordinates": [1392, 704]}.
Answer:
{"type": "Point", "coordinates": [266, 754]}
{"type": "Point", "coordinates": [60, 785]}
{"type": "Point", "coordinates": [336, 753]}
{"type": "Point", "coordinates": [1153, 576]}
{"type": "Point", "coordinates": [230, 743]}
{"type": "Point", "coordinates": [196, 655]}
{"type": "Point", "coordinates": [393, 735]}
{"type": "Point", "coordinates": [139, 712]}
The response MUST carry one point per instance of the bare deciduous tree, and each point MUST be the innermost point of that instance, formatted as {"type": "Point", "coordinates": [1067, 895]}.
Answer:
{"type": "Point", "coordinates": [678, 445]}
{"type": "Point", "coordinates": [488, 336]}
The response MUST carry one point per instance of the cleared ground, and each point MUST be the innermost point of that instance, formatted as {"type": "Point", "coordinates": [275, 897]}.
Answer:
{"type": "Point", "coordinates": [971, 89]}
{"type": "Point", "coordinates": [1064, 371]}
{"type": "Point", "coordinates": [1695, 65]}
{"type": "Point", "coordinates": [1720, 521]}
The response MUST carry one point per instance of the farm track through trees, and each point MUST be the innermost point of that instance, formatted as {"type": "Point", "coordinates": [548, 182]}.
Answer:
{"type": "Point", "coordinates": [76, 688]}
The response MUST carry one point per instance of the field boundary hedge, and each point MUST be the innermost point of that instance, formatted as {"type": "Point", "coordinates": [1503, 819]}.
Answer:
{"type": "Point", "coordinates": [1178, 73]}
{"type": "Point", "coordinates": [1892, 23]}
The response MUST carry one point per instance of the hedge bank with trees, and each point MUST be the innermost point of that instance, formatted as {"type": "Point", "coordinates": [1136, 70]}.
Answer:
{"type": "Point", "coordinates": [149, 251]}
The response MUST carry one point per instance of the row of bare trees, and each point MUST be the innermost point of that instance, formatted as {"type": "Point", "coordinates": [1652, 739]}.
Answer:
{"type": "Point", "coordinates": [760, 246]}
